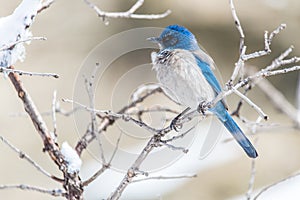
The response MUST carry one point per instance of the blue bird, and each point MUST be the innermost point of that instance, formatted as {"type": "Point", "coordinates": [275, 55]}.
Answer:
{"type": "Point", "coordinates": [185, 73]}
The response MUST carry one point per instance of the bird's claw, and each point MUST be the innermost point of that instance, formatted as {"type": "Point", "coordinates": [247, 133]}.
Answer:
{"type": "Point", "coordinates": [202, 107]}
{"type": "Point", "coordinates": [175, 124]}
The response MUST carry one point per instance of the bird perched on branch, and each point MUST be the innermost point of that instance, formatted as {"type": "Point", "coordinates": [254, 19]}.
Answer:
{"type": "Point", "coordinates": [185, 72]}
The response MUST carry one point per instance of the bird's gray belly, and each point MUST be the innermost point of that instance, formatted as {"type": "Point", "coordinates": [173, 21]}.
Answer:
{"type": "Point", "coordinates": [189, 89]}
{"type": "Point", "coordinates": [181, 78]}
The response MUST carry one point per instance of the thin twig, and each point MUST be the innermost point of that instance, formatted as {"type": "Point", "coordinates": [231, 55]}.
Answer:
{"type": "Point", "coordinates": [128, 178]}
{"type": "Point", "coordinates": [23, 155]}
{"type": "Point", "coordinates": [96, 175]}
{"type": "Point", "coordinates": [54, 112]}
{"type": "Point", "coordinates": [236, 112]}
{"type": "Point", "coordinates": [111, 114]}
{"type": "Point", "coordinates": [54, 192]}
{"type": "Point", "coordinates": [260, 74]}
{"type": "Point", "coordinates": [275, 96]}
{"type": "Point", "coordinates": [274, 184]}
{"type": "Point", "coordinates": [268, 40]}
{"type": "Point", "coordinates": [174, 148]}
{"type": "Point", "coordinates": [252, 104]}
{"type": "Point", "coordinates": [238, 25]}
{"type": "Point", "coordinates": [89, 84]}
{"type": "Point", "coordinates": [152, 109]}
{"type": "Point", "coordinates": [105, 165]}
{"type": "Point", "coordinates": [130, 14]}
{"type": "Point", "coordinates": [106, 122]}
{"type": "Point", "coordinates": [72, 182]}
{"type": "Point", "coordinates": [279, 61]}
{"type": "Point", "coordinates": [46, 4]}
{"type": "Point", "coordinates": [58, 110]}
{"type": "Point", "coordinates": [179, 136]}
{"type": "Point", "coordinates": [242, 47]}
{"type": "Point", "coordinates": [13, 44]}
{"type": "Point", "coordinates": [164, 178]}
{"type": "Point", "coordinates": [298, 101]}
{"type": "Point", "coordinates": [20, 72]}
{"type": "Point", "coordinates": [252, 180]}
{"type": "Point", "coordinates": [115, 149]}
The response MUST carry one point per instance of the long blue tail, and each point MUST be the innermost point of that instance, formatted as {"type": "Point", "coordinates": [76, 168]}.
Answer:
{"type": "Point", "coordinates": [239, 136]}
{"type": "Point", "coordinates": [234, 129]}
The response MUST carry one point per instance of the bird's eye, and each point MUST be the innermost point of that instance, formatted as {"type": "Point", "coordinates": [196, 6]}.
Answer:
{"type": "Point", "coordinates": [170, 40]}
{"type": "Point", "coordinates": [167, 38]}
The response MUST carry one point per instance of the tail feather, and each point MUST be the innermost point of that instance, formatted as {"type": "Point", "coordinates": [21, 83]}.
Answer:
{"type": "Point", "coordinates": [239, 136]}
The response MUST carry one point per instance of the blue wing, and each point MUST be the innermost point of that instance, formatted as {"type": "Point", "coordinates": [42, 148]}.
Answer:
{"type": "Point", "coordinates": [206, 65]}
{"type": "Point", "coordinates": [208, 74]}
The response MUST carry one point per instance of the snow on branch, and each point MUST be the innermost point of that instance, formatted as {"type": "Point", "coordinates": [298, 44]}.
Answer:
{"type": "Point", "coordinates": [15, 28]}
{"type": "Point", "coordinates": [71, 157]}
{"type": "Point", "coordinates": [71, 181]}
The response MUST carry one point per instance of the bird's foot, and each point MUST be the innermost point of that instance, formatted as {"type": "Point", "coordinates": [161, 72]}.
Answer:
{"type": "Point", "coordinates": [203, 107]}
{"type": "Point", "coordinates": [176, 124]}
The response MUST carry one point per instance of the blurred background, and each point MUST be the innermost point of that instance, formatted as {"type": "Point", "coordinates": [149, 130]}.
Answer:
{"type": "Point", "coordinates": [72, 30]}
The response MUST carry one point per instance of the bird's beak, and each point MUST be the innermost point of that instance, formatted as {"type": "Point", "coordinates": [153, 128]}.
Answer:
{"type": "Point", "coordinates": [154, 39]}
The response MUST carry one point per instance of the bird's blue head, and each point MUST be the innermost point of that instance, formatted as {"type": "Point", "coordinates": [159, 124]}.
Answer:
{"type": "Point", "coordinates": [176, 37]}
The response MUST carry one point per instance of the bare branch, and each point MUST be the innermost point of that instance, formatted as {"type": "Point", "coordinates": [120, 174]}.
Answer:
{"type": "Point", "coordinates": [174, 148]}
{"type": "Point", "coordinates": [274, 184]}
{"type": "Point", "coordinates": [128, 178]}
{"type": "Point", "coordinates": [58, 110]}
{"type": "Point", "coordinates": [96, 175]}
{"type": "Point", "coordinates": [54, 111]}
{"type": "Point", "coordinates": [164, 178]}
{"type": "Point", "coordinates": [279, 61]}
{"type": "Point", "coordinates": [13, 44]}
{"type": "Point", "coordinates": [275, 96]}
{"type": "Point", "coordinates": [238, 25]}
{"type": "Point", "coordinates": [130, 14]}
{"type": "Point", "coordinates": [36, 118]}
{"type": "Point", "coordinates": [243, 56]}
{"type": "Point", "coordinates": [136, 6]}
{"type": "Point", "coordinates": [115, 149]}
{"type": "Point", "coordinates": [54, 192]}
{"type": "Point", "coordinates": [253, 105]}
{"type": "Point", "coordinates": [89, 85]}
{"type": "Point", "coordinates": [104, 166]}
{"type": "Point", "coordinates": [20, 72]}
{"type": "Point", "coordinates": [72, 182]}
{"type": "Point", "coordinates": [252, 180]}
{"type": "Point", "coordinates": [178, 136]}
{"type": "Point", "coordinates": [46, 4]}
{"type": "Point", "coordinates": [261, 74]}
{"type": "Point", "coordinates": [298, 101]}
{"type": "Point", "coordinates": [268, 41]}
{"type": "Point", "coordinates": [106, 122]}
{"type": "Point", "coordinates": [24, 156]}
{"type": "Point", "coordinates": [111, 114]}
{"type": "Point", "coordinates": [155, 141]}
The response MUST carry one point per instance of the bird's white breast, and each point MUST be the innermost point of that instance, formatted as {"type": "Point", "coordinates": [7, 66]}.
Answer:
{"type": "Point", "coordinates": [181, 78]}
